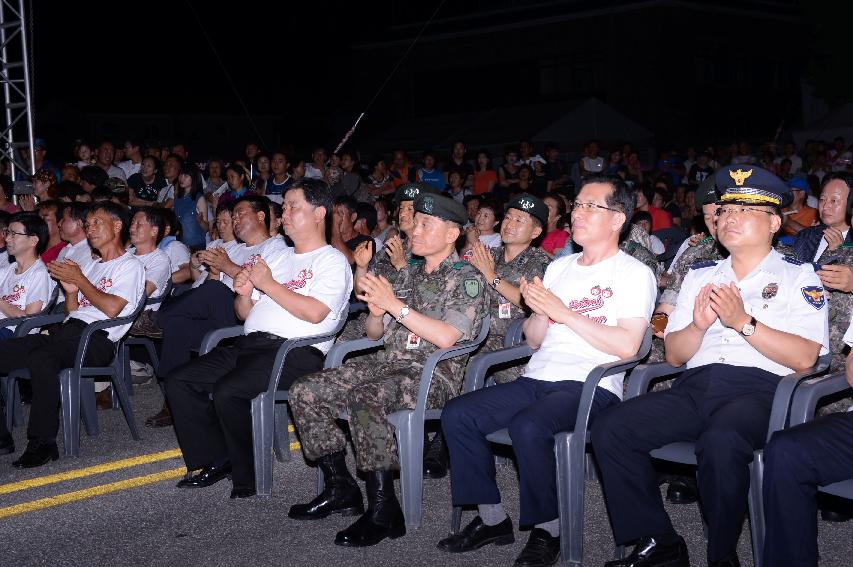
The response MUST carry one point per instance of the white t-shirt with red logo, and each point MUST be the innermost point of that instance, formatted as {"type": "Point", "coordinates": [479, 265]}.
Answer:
{"type": "Point", "coordinates": [124, 277]}
{"type": "Point", "coordinates": [619, 287]}
{"type": "Point", "coordinates": [325, 275]}
{"type": "Point", "coordinates": [245, 256]}
{"type": "Point", "coordinates": [25, 289]}
{"type": "Point", "coordinates": [158, 270]}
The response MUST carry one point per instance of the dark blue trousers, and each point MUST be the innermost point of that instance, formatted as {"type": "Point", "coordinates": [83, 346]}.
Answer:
{"type": "Point", "coordinates": [796, 462]}
{"type": "Point", "coordinates": [533, 411]}
{"type": "Point", "coordinates": [725, 410]}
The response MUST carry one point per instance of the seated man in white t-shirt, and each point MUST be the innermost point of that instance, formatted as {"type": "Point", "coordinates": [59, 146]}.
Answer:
{"type": "Point", "coordinates": [25, 283]}
{"type": "Point", "coordinates": [591, 308]}
{"type": "Point", "coordinates": [72, 230]}
{"type": "Point", "coordinates": [107, 289]}
{"type": "Point", "coordinates": [289, 294]}
{"type": "Point", "coordinates": [226, 240]}
{"type": "Point", "coordinates": [146, 231]}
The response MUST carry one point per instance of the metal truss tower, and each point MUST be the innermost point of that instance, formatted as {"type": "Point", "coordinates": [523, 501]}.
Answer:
{"type": "Point", "coordinates": [16, 128]}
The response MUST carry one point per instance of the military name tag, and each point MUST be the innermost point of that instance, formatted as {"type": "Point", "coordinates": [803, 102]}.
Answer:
{"type": "Point", "coordinates": [412, 341]}
{"type": "Point", "coordinates": [504, 311]}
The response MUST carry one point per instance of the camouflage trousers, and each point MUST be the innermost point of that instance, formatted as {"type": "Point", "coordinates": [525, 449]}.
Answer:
{"type": "Point", "coordinates": [368, 390]}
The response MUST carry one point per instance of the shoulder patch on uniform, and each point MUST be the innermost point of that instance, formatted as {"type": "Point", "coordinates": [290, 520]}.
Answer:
{"type": "Point", "coordinates": [416, 261]}
{"type": "Point", "coordinates": [792, 260]}
{"type": "Point", "coordinates": [472, 287]}
{"type": "Point", "coordinates": [459, 265]}
{"type": "Point", "coordinates": [814, 296]}
{"type": "Point", "coordinates": [703, 264]}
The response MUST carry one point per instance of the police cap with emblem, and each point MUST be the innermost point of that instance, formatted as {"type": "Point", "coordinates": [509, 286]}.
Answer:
{"type": "Point", "coordinates": [442, 207]}
{"type": "Point", "coordinates": [408, 191]}
{"type": "Point", "coordinates": [749, 185]}
{"type": "Point", "coordinates": [532, 205]}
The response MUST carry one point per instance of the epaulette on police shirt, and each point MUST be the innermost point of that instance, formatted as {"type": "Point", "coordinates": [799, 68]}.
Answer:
{"type": "Point", "coordinates": [704, 264]}
{"type": "Point", "coordinates": [792, 260]}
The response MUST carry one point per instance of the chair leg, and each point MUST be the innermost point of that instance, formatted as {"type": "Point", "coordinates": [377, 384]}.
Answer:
{"type": "Point", "coordinates": [88, 407]}
{"type": "Point", "coordinates": [69, 389]}
{"type": "Point", "coordinates": [152, 355]}
{"type": "Point", "coordinates": [120, 390]}
{"type": "Point", "coordinates": [263, 422]}
{"type": "Point", "coordinates": [281, 433]}
{"type": "Point", "coordinates": [7, 384]}
{"type": "Point", "coordinates": [756, 507]}
{"type": "Point", "coordinates": [410, 448]}
{"type": "Point", "coordinates": [570, 497]}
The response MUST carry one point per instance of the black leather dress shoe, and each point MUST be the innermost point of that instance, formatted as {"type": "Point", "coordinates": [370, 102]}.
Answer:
{"type": "Point", "coordinates": [7, 446]}
{"type": "Point", "coordinates": [541, 549]}
{"type": "Point", "coordinates": [205, 477]}
{"type": "Point", "coordinates": [477, 534]}
{"type": "Point", "coordinates": [36, 455]}
{"type": "Point", "coordinates": [242, 492]}
{"type": "Point", "coordinates": [650, 553]}
{"type": "Point", "coordinates": [729, 561]}
{"type": "Point", "coordinates": [682, 490]}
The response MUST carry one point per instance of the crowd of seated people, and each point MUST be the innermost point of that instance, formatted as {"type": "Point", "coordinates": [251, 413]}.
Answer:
{"type": "Point", "coordinates": [743, 272]}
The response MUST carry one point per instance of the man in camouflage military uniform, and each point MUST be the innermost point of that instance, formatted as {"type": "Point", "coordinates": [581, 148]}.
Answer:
{"type": "Point", "coordinates": [504, 266]}
{"type": "Point", "coordinates": [433, 304]}
{"type": "Point", "coordinates": [394, 257]}
{"type": "Point", "coordinates": [707, 249]}
{"type": "Point", "coordinates": [829, 246]}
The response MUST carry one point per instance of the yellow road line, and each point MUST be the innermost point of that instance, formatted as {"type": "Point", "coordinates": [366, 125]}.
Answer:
{"type": "Point", "coordinates": [77, 495]}
{"type": "Point", "coordinates": [88, 471]}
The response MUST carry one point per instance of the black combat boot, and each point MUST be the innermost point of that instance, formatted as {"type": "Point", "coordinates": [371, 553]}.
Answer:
{"type": "Point", "coordinates": [383, 518]}
{"type": "Point", "coordinates": [435, 458]}
{"type": "Point", "coordinates": [340, 495]}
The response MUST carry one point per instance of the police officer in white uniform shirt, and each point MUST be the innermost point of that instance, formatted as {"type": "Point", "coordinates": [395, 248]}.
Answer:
{"type": "Point", "coordinates": [739, 326]}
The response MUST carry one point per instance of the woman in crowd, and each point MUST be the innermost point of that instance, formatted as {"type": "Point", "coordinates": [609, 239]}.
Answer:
{"type": "Point", "coordinates": [456, 190]}
{"type": "Point", "coordinates": [525, 180]}
{"type": "Point", "coordinates": [262, 173]}
{"type": "Point", "coordinates": [215, 170]}
{"type": "Point", "coordinates": [484, 229]}
{"type": "Point", "coordinates": [146, 184]}
{"type": "Point", "coordinates": [191, 208]}
{"type": "Point", "coordinates": [555, 237]}
{"type": "Point", "coordinates": [429, 173]}
{"type": "Point", "coordinates": [238, 184]}
{"type": "Point", "coordinates": [379, 180]}
{"type": "Point", "coordinates": [484, 176]}
{"type": "Point", "coordinates": [508, 171]}
{"type": "Point", "coordinates": [383, 223]}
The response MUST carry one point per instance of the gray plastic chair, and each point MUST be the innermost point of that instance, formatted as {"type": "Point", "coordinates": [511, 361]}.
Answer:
{"type": "Point", "coordinates": [684, 452]}
{"type": "Point", "coordinates": [570, 449]}
{"type": "Point", "coordinates": [409, 424]}
{"type": "Point", "coordinates": [145, 342]}
{"type": "Point", "coordinates": [270, 421]}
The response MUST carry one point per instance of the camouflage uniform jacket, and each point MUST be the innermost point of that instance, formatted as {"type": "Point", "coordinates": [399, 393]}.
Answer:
{"type": "Point", "coordinates": [706, 250]}
{"type": "Point", "coordinates": [641, 253]}
{"type": "Point", "coordinates": [454, 293]}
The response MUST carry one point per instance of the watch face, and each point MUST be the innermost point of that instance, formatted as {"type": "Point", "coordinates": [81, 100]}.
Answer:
{"type": "Point", "coordinates": [748, 329]}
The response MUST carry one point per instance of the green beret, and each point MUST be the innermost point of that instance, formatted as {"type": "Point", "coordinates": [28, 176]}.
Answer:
{"type": "Point", "coordinates": [408, 191]}
{"type": "Point", "coordinates": [532, 205]}
{"type": "Point", "coordinates": [442, 207]}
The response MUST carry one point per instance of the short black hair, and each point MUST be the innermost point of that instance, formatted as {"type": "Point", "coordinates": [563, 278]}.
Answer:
{"type": "Point", "coordinates": [641, 216]}
{"type": "Point", "coordinates": [368, 213]}
{"type": "Point", "coordinates": [77, 210]}
{"type": "Point", "coordinates": [350, 203]}
{"type": "Point", "coordinates": [93, 175]}
{"type": "Point", "coordinates": [69, 190]}
{"type": "Point", "coordinates": [170, 219]}
{"type": "Point", "coordinates": [622, 198]}
{"type": "Point", "coordinates": [117, 212]}
{"type": "Point", "coordinates": [155, 219]}
{"type": "Point", "coordinates": [226, 206]}
{"type": "Point", "coordinates": [50, 204]}
{"type": "Point", "coordinates": [4, 218]}
{"type": "Point", "coordinates": [259, 204]}
{"type": "Point", "coordinates": [276, 209]}
{"type": "Point", "coordinates": [33, 225]}
{"type": "Point", "coordinates": [102, 192]}
{"type": "Point", "coordinates": [316, 193]}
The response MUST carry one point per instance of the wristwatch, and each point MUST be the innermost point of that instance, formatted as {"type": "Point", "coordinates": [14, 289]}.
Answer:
{"type": "Point", "coordinates": [496, 282]}
{"type": "Point", "coordinates": [749, 328]}
{"type": "Point", "coordinates": [404, 310]}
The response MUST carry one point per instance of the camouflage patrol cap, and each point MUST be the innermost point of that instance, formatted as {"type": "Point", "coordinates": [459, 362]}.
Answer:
{"type": "Point", "coordinates": [408, 191]}
{"type": "Point", "coordinates": [442, 207]}
{"type": "Point", "coordinates": [531, 205]}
